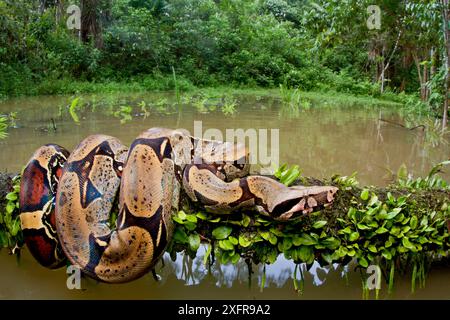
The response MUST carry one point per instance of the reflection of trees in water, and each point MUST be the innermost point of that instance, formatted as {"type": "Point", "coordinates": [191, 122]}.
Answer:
{"type": "Point", "coordinates": [193, 271]}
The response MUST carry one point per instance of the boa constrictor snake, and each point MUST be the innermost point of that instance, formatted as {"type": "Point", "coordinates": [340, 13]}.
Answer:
{"type": "Point", "coordinates": [66, 200]}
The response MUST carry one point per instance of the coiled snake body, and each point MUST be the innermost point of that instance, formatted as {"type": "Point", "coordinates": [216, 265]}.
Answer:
{"type": "Point", "coordinates": [66, 200]}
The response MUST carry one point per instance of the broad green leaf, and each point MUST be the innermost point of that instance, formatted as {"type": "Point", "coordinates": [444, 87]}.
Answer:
{"type": "Point", "coordinates": [393, 213]}
{"type": "Point", "coordinates": [304, 239]}
{"type": "Point", "coordinates": [346, 230]}
{"type": "Point", "coordinates": [226, 245]}
{"type": "Point", "coordinates": [286, 244]}
{"type": "Point", "coordinates": [190, 226]}
{"type": "Point", "coordinates": [233, 240]}
{"type": "Point", "coordinates": [194, 241]}
{"type": "Point", "coordinates": [180, 236]}
{"type": "Point", "coordinates": [353, 236]}
{"type": "Point", "coordinates": [277, 232]}
{"type": "Point", "coordinates": [305, 254]}
{"type": "Point", "coordinates": [402, 172]}
{"type": "Point", "coordinates": [177, 220]}
{"type": "Point", "coordinates": [182, 215]}
{"type": "Point", "coordinates": [3, 239]}
{"type": "Point", "coordinates": [373, 200]}
{"type": "Point", "coordinates": [245, 221]}
{"type": "Point", "coordinates": [381, 230]}
{"type": "Point", "coordinates": [407, 244]}
{"type": "Point", "coordinates": [10, 207]}
{"type": "Point", "coordinates": [244, 241]}
{"type": "Point", "coordinates": [221, 232]}
{"type": "Point", "coordinates": [319, 224]}
{"type": "Point", "coordinates": [12, 196]}
{"type": "Point", "coordinates": [201, 216]}
{"type": "Point", "coordinates": [191, 218]}
{"type": "Point", "coordinates": [207, 254]}
{"type": "Point", "coordinates": [235, 258]}
{"type": "Point", "coordinates": [327, 257]}
{"type": "Point", "coordinates": [363, 262]}
{"type": "Point", "coordinates": [390, 197]}
{"type": "Point", "coordinates": [331, 243]}
{"type": "Point", "coordinates": [362, 226]}
{"type": "Point", "coordinates": [386, 254]}
{"type": "Point", "coordinates": [413, 222]}
{"type": "Point", "coordinates": [365, 194]}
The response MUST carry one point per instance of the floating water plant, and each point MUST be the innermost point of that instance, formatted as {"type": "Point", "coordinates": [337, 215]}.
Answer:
{"type": "Point", "coordinates": [229, 106]}
{"type": "Point", "coordinates": [124, 114]}
{"type": "Point", "coordinates": [3, 127]}
{"type": "Point", "coordinates": [73, 110]}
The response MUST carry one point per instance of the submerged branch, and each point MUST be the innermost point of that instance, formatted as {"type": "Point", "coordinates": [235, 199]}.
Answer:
{"type": "Point", "coordinates": [403, 126]}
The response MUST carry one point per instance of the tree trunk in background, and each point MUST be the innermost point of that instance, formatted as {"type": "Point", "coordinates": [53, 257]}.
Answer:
{"type": "Point", "coordinates": [59, 11]}
{"type": "Point", "coordinates": [425, 80]}
{"type": "Point", "coordinates": [419, 74]}
{"type": "Point", "coordinates": [432, 67]}
{"type": "Point", "coordinates": [445, 20]}
{"type": "Point", "coordinates": [42, 6]}
{"type": "Point", "coordinates": [90, 23]}
{"type": "Point", "coordinates": [382, 72]}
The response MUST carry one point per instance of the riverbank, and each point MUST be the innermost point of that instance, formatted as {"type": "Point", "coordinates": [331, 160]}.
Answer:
{"type": "Point", "coordinates": [183, 86]}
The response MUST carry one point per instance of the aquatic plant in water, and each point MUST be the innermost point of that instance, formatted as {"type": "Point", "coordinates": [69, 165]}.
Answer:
{"type": "Point", "coordinates": [292, 102]}
{"type": "Point", "coordinates": [7, 121]}
{"type": "Point", "coordinates": [124, 114]}
{"type": "Point", "coordinates": [229, 105]}
{"type": "Point", "coordinates": [73, 108]}
{"type": "Point", "coordinates": [3, 127]}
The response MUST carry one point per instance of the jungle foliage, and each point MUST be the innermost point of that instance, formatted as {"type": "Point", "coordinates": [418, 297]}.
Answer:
{"type": "Point", "coordinates": [307, 45]}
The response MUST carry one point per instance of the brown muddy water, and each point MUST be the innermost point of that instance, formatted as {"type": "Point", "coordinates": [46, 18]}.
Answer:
{"type": "Point", "coordinates": [324, 139]}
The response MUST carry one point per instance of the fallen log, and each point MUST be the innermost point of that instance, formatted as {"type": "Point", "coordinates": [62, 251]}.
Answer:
{"type": "Point", "coordinates": [395, 227]}
{"type": "Point", "coordinates": [431, 199]}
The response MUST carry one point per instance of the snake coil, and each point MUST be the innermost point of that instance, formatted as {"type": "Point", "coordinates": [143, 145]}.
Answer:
{"type": "Point", "coordinates": [66, 200]}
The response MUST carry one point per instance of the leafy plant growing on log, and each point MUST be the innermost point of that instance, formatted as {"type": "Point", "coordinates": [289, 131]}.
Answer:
{"type": "Point", "coordinates": [388, 229]}
{"type": "Point", "coordinates": [124, 114]}
{"type": "Point", "coordinates": [3, 127]}
{"type": "Point", "coordinates": [10, 232]}
{"type": "Point", "coordinates": [287, 175]}
{"type": "Point", "coordinates": [431, 181]}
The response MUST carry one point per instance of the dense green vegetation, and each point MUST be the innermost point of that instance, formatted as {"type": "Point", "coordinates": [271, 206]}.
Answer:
{"type": "Point", "coordinates": [398, 229]}
{"type": "Point", "coordinates": [309, 45]}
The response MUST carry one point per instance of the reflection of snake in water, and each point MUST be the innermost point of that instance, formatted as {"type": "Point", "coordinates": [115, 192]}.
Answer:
{"type": "Point", "coordinates": [66, 201]}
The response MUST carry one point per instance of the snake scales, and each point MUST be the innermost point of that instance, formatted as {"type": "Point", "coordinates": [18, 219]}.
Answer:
{"type": "Point", "coordinates": [66, 199]}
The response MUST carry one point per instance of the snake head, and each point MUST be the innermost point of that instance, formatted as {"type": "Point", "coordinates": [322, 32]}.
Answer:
{"type": "Point", "coordinates": [301, 200]}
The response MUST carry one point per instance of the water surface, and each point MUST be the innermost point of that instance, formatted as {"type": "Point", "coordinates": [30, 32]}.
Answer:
{"type": "Point", "coordinates": [323, 140]}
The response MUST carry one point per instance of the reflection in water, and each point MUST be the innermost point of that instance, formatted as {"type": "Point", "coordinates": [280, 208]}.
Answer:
{"type": "Point", "coordinates": [323, 141]}
{"type": "Point", "coordinates": [189, 279]}
{"type": "Point", "coordinates": [278, 274]}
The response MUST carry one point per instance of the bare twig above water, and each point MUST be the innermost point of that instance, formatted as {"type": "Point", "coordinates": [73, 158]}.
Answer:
{"type": "Point", "coordinates": [403, 126]}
